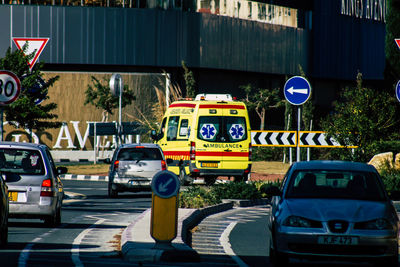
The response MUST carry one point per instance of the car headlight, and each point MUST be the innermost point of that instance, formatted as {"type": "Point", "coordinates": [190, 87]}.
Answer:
{"type": "Point", "coordinates": [297, 221]}
{"type": "Point", "coordinates": [378, 224]}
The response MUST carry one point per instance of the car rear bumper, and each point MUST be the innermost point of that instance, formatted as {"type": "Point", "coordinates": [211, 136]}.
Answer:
{"type": "Point", "coordinates": [196, 172]}
{"type": "Point", "coordinates": [131, 184]}
{"type": "Point", "coordinates": [305, 245]}
{"type": "Point", "coordinates": [30, 210]}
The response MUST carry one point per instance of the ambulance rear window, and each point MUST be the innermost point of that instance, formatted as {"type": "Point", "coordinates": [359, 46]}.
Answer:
{"type": "Point", "coordinates": [222, 129]}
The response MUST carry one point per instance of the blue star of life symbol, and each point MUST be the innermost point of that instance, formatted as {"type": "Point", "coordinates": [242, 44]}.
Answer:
{"type": "Point", "coordinates": [236, 131]}
{"type": "Point", "coordinates": [208, 131]}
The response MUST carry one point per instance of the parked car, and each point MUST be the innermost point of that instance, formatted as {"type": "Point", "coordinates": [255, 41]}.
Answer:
{"type": "Point", "coordinates": [34, 187]}
{"type": "Point", "coordinates": [4, 207]}
{"type": "Point", "coordinates": [333, 209]}
{"type": "Point", "coordinates": [133, 167]}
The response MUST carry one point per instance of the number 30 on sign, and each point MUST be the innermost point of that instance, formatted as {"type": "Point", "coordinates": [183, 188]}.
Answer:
{"type": "Point", "coordinates": [10, 87]}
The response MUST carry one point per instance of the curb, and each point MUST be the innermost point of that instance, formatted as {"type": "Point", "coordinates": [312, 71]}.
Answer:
{"type": "Point", "coordinates": [84, 177]}
{"type": "Point", "coordinates": [137, 250]}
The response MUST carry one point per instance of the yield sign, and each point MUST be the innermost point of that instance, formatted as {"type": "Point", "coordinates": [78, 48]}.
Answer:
{"type": "Point", "coordinates": [35, 45]}
{"type": "Point", "coordinates": [397, 42]}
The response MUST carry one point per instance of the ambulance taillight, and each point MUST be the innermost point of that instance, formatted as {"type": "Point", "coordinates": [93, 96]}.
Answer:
{"type": "Point", "coordinates": [192, 150]}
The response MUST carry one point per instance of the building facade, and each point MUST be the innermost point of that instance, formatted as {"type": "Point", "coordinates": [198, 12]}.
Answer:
{"type": "Point", "coordinates": [226, 43]}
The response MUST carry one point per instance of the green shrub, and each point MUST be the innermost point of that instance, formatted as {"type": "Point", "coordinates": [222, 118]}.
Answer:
{"type": "Point", "coordinates": [267, 153]}
{"type": "Point", "coordinates": [262, 186]}
{"type": "Point", "coordinates": [390, 177]}
{"type": "Point", "coordinates": [196, 197]}
{"type": "Point", "coordinates": [239, 190]}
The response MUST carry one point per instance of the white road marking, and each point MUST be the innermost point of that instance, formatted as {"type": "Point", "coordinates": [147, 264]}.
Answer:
{"type": "Point", "coordinates": [224, 240]}
{"type": "Point", "coordinates": [78, 240]}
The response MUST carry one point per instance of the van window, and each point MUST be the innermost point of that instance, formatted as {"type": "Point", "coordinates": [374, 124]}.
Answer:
{"type": "Point", "coordinates": [183, 130]}
{"type": "Point", "coordinates": [172, 129]}
{"type": "Point", "coordinates": [225, 129]}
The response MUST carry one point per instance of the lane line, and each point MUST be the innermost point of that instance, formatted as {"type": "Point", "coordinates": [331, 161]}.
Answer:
{"type": "Point", "coordinates": [224, 239]}
{"type": "Point", "coordinates": [77, 242]}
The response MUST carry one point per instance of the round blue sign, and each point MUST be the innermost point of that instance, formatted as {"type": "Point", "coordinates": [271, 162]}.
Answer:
{"type": "Point", "coordinates": [165, 184]}
{"type": "Point", "coordinates": [297, 90]}
{"type": "Point", "coordinates": [398, 91]}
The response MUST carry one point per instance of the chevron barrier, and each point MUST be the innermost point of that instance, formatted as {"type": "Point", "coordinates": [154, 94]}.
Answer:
{"type": "Point", "coordinates": [273, 138]}
{"type": "Point", "coordinates": [289, 139]}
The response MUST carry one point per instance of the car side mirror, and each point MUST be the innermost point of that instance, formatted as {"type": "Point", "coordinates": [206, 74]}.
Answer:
{"type": "Point", "coordinates": [107, 161]}
{"type": "Point", "coordinates": [169, 161]}
{"type": "Point", "coordinates": [153, 135]}
{"type": "Point", "coordinates": [394, 195]}
{"type": "Point", "coordinates": [62, 170]}
{"type": "Point", "coordinates": [273, 191]}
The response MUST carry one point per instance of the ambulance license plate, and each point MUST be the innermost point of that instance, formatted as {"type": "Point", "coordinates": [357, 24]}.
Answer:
{"type": "Point", "coordinates": [209, 164]}
{"type": "Point", "coordinates": [13, 196]}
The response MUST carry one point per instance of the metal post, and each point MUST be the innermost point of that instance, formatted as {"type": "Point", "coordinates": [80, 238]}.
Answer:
{"type": "Point", "coordinates": [167, 84]}
{"type": "Point", "coordinates": [95, 143]}
{"type": "Point", "coordinates": [1, 126]}
{"type": "Point", "coordinates": [309, 149]}
{"type": "Point", "coordinates": [298, 132]}
{"type": "Point", "coordinates": [120, 110]}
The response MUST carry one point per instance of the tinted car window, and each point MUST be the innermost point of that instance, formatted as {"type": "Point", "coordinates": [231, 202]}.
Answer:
{"type": "Point", "coordinates": [335, 184]}
{"type": "Point", "coordinates": [21, 161]}
{"type": "Point", "coordinates": [222, 129]}
{"type": "Point", "coordinates": [139, 154]}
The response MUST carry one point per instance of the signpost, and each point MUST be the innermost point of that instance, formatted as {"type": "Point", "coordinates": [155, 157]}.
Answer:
{"type": "Point", "coordinates": [10, 88]}
{"type": "Point", "coordinates": [164, 208]}
{"type": "Point", "coordinates": [297, 91]}
{"type": "Point", "coordinates": [116, 87]}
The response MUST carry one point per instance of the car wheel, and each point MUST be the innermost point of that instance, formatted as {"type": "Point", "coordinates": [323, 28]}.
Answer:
{"type": "Point", "coordinates": [4, 235]}
{"type": "Point", "coordinates": [392, 261]}
{"type": "Point", "coordinates": [210, 180]}
{"type": "Point", "coordinates": [182, 177]}
{"type": "Point", "coordinates": [277, 259]}
{"type": "Point", "coordinates": [54, 220]}
{"type": "Point", "coordinates": [111, 192]}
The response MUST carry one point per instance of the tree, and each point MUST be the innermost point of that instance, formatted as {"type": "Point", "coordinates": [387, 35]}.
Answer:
{"type": "Point", "coordinates": [362, 117]}
{"type": "Point", "coordinates": [261, 100]}
{"type": "Point", "coordinates": [189, 81]}
{"type": "Point", "coordinates": [26, 112]}
{"type": "Point", "coordinates": [100, 96]}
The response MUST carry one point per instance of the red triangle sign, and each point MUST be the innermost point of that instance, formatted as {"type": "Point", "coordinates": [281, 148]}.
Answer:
{"type": "Point", "coordinates": [35, 45]}
{"type": "Point", "coordinates": [397, 42]}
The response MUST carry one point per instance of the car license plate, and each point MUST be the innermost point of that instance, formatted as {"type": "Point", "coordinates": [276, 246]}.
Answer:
{"type": "Point", "coordinates": [13, 196]}
{"type": "Point", "coordinates": [338, 240]}
{"type": "Point", "coordinates": [132, 182]}
{"type": "Point", "coordinates": [209, 164]}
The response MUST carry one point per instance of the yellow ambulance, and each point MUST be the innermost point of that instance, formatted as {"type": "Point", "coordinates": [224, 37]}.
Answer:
{"type": "Point", "coordinates": [206, 137]}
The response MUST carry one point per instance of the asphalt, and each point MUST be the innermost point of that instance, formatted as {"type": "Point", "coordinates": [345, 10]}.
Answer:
{"type": "Point", "coordinates": [138, 246]}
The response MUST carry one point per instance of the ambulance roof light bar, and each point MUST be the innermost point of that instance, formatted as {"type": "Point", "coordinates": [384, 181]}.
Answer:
{"type": "Point", "coordinates": [214, 97]}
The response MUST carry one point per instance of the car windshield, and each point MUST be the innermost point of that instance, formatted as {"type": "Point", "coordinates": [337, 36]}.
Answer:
{"type": "Point", "coordinates": [21, 161]}
{"type": "Point", "coordinates": [139, 153]}
{"type": "Point", "coordinates": [335, 184]}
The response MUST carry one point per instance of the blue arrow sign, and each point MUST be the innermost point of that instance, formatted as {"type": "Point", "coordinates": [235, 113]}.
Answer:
{"type": "Point", "coordinates": [398, 90]}
{"type": "Point", "coordinates": [165, 184]}
{"type": "Point", "coordinates": [297, 90]}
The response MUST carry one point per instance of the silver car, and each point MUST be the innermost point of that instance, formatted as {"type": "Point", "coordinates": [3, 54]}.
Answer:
{"type": "Point", "coordinates": [333, 209]}
{"type": "Point", "coordinates": [133, 167]}
{"type": "Point", "coordinates": [34, 187]}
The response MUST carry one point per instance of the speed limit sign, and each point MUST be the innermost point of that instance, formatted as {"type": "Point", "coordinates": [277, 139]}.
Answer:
{"type": "Point", "coordinates": [10, 87]}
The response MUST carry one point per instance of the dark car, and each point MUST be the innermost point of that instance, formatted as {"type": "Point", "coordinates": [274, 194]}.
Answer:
{"type": "Point", "coordinates": [34, 187]}
{"type": "Point", "coordinates": [333, 209]}
{"type": "Point", "coordinates": [4, 209]}
{"type": "Point", "coordinates": [133, 167]}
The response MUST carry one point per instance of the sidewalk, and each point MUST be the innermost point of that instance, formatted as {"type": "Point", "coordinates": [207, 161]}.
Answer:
{"type": "Point", "coordinates": [138, 246]}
